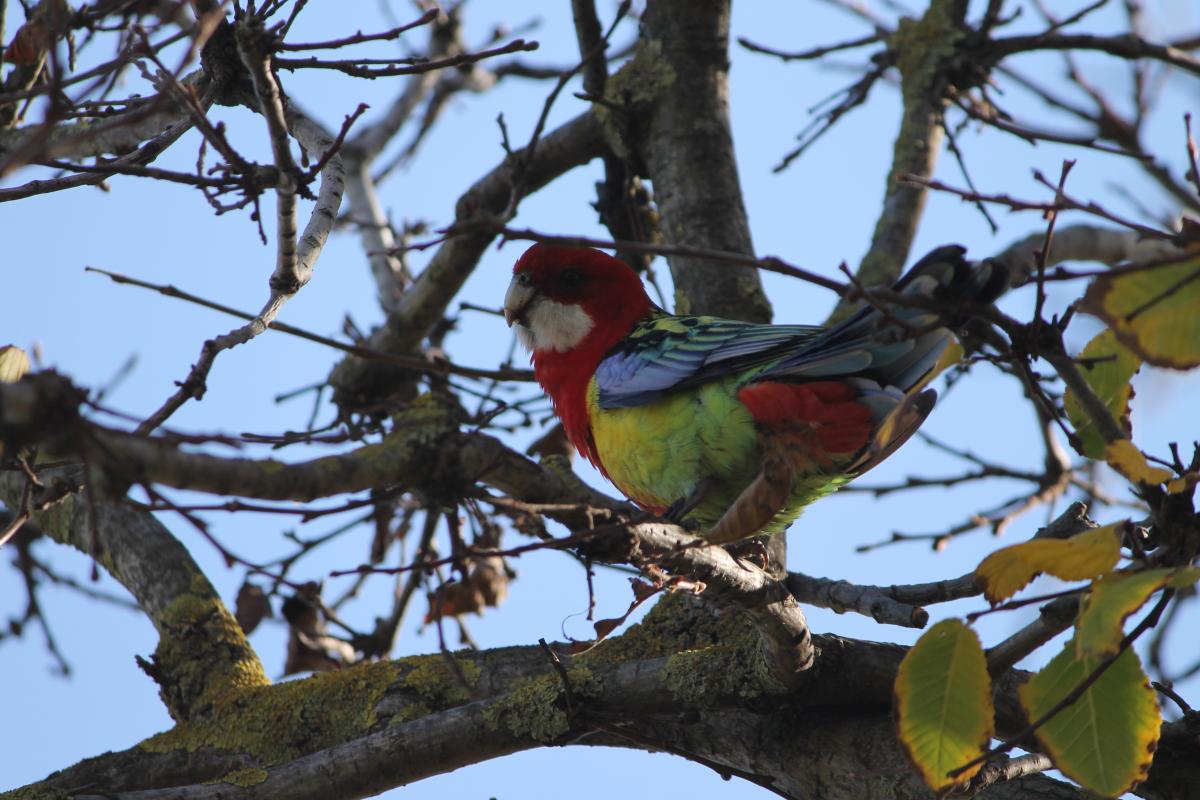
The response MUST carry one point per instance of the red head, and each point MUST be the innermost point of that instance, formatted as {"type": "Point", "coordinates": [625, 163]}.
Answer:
{"type": "Point", "coordinates": [563, 297]}
{"type": "Point", "coordinates": [570, 306]}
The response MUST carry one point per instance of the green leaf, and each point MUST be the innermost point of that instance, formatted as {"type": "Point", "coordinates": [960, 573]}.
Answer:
{"type": "Point", "coordinates": [1100, 626]}
{"type": "Point", "coordinates": [13, 364]}
{"type": "Point", "coordinates": [1154, 312]}
{"type": "Point", "coordinates": [944, 703]}
{"type": "Point", "coordinates": [1105, 740]}
{"type": "Point", "coordinates": [1108, 367]}
{"type": "Point", "coordinates": [1083, 556]}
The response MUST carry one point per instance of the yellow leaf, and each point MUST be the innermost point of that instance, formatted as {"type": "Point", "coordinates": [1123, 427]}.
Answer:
{"type": "Point", "coordinates": [1126, 459]}
{"type": "Point", "coordinates": [943, 703]}
{"type": "Point", "coordinates": [1100, 627]}
{"type": "Point", "coordinates": [1010, 569]}
{"type": "Point", "coordinates": [1184, 577]}
{"type": "Point", "coordinates": [1108, 367]}
{"type": "Point", "coordinates": [1155, 312]}
{"type": "Point", "coordinates": [1105, 740]}
{"type": "Point", "coordinates": [1183, 483]}
{"type": "Point", "coordinates": [13, 364]}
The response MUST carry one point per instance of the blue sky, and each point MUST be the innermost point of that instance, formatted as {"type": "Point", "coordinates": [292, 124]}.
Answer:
{"type": "Point", "coordinates": [816, 214]}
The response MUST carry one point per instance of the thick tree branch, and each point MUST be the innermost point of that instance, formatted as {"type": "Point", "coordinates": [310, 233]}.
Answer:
{"type": "Point", "coordinates": [927, 50]}
{"type": "Point", "coordinates": [202, 654]}
{"type": "Point", "coordinates": [695, 703]}
{"type": "Point", "coordinates": [1080, 243]}
{"type": "Point", "coordinates": [119, 134]}
{"type": "Point", "coordinates": [683, 57]}
{"type": "Point", "coordinates": [158, 131]}
{"type": "Point", "coordinates": [871, 601]}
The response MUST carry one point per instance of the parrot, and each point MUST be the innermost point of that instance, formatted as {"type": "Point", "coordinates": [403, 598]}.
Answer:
{"type": "Point", "coordinates": [727, 426]}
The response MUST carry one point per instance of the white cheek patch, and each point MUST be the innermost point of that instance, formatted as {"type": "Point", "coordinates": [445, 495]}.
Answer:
{"type": "Point", "coordinates": [554, 326]}
{"type": "Point", "coordinates": [524, 336]}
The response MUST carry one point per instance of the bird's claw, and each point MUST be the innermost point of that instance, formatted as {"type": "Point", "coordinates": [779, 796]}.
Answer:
{"type": "Point", "coordinates": [677, 512]}
{"type": "Point", "coordinates": [660, 581]}
{"type": "Point", "coordinates": [751, 551]}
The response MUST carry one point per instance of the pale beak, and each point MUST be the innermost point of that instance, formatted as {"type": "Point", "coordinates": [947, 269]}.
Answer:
{"type": "Point", "coordinates": [516, 301]}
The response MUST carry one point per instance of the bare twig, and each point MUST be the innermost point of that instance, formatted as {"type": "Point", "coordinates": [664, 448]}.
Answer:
{"type": "Point", "coordinates": [362, 68]}
{"type": "Point", "coordinates": [435, 367]}
{"type": "Point", "coordinates": [360, 37]}
{"type": "Point", "coordinates": [816, 52]}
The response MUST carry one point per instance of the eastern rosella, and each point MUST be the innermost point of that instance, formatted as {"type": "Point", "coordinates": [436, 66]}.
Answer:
{"type": "Point", "coordinates": [728, 425]}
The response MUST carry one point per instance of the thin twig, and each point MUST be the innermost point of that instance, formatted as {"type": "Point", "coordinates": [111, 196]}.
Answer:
{"type": "Point", "coordinates": [360, 37]}
{"type": "Point", "coordinates": [360, 68]}
{"type": "Point", "coordinates": [416, 363]}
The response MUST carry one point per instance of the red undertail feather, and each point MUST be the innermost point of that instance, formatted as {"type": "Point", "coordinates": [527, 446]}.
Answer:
{"type": "Point", "coordinates": [825, 408]}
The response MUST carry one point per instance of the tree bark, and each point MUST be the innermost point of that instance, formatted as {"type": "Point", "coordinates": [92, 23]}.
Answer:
{"type": "Point", "coordinates": [688, 149]}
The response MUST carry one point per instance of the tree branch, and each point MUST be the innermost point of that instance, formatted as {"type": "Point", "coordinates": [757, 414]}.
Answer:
{"type": "Point", "coordinates": [294, 264]}
{"type": "Point", "coordinates": [684, 55]}
{"type": "Point", "coordinates": [644, 703]}
{"type": "Point", "coordinates": [202, 654]}
{"type": "Point", "coordinates": [358, 385]}
{"type": "Point", "coordinates": [1127, 46]}
{"type": "Point", "coordinates": [926, 49]}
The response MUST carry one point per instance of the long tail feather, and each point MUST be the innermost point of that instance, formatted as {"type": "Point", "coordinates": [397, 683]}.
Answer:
{"type": "Point", "coordinates": [900, 345]}
{"type": "Point", "coordinates": [756, 506]}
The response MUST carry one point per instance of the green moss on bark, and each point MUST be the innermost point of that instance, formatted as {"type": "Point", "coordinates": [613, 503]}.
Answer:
{"type": "Point", "coordinates": [438, 687]}
{"type": "Point", "coordinates": [538, 707]}
{"type": "Point", "coordinates": [250, 776]}
{"type": "Point", "coordinates": [672, 626]}
{"type": "Point", "coordinates": [923, 47]}
{"type": "Point", "coordinates": [707, 655]}
{"type": "Point", "coordinates": [637, 83]}
{"type": "Point", "coordinates": [203, 659]}
{"type": "Point", "coordinates": [35, 791]}
{"type": "Point", "coordinates": [278, 723]}
{"type": "Point", "coordinates": [733, 668]}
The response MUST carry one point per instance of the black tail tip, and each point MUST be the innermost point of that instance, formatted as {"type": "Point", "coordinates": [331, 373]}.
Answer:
{"type": "Point", "coordinates": [999, 278]}
{"type": "Point", "coordinates": [956, 277]}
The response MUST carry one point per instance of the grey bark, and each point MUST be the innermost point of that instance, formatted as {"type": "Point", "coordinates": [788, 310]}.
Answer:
{"type": "Point", "coordinates": [688, 150]}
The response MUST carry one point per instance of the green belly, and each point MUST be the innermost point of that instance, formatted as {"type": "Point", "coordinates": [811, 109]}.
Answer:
{"type": "Point", "coordinates": [659, 452]}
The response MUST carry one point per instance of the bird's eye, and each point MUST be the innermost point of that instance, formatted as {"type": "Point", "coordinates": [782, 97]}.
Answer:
{"type": "Point", "coordinates": [522, 279]}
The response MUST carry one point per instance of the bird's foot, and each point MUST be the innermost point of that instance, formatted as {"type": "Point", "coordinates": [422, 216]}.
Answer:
{"type": "Point", "coordinates": [750, 552]}
{"type": "Point", "coordinates": [678, 511]}
{"type": "Point", "coordinates": [660, 581]}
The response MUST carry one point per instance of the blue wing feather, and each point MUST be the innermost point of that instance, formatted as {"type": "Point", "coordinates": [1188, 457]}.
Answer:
{"type": "Point", "coordinates": [664, 353]}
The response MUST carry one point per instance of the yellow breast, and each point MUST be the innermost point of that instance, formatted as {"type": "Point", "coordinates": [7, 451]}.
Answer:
{"type": "Point", "coordinates": [656, 453]}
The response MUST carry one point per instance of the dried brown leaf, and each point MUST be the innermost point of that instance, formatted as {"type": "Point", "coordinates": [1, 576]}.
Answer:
{"type": "Point", "coordinates": [252, 606]}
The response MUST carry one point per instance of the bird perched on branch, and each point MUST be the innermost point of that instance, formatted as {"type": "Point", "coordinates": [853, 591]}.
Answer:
{"type": "Point", "coordinates": [731, 426]}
